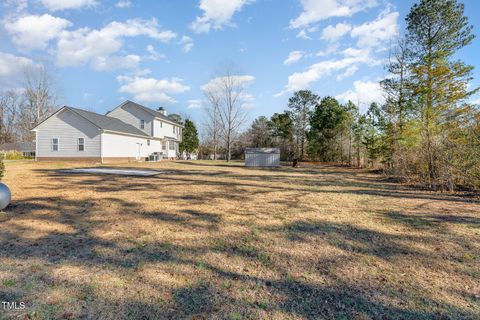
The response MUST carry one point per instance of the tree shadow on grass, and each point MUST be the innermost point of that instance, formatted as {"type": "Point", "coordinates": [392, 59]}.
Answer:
{"type": "Point", "coordinates": [263, 183]}
{"type": "Point", "coordinates": [430, 220]}
{"type": "Point", "coordinates": [207, 299]}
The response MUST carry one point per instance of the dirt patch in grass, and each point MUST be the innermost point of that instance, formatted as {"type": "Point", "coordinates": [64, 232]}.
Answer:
{"type": "Point", "coordinates": [209, 240]}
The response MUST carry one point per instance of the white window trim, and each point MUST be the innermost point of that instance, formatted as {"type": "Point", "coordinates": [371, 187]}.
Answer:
{"type": "Point", "coordinates": [78, 144]}
{"type": "Point", "coordinates": [58, 144]}
{"type": "Point", "coordinates": [142, 124]}
{"type": "Point", "coordinates": [148, 142]}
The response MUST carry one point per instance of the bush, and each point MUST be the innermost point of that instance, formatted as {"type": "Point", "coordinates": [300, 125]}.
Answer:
{"type": "Point", "coordinates": [12, 155]}
{"type": "Point", "coordinates": [2, 169]}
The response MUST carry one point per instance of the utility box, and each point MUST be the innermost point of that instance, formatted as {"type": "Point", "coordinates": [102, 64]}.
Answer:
{"type": "Point", "coordinates": [262, 157]}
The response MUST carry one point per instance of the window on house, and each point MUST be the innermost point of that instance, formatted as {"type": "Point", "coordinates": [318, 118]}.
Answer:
{"type": "Point", "coordinates": [164, 145]}
{"type": "Point", "coordinates": [161, 124]}
{"type": "Point", "coordinates": [173, 129]}
{"type": "Point", "coordinates": [172, 145]}
{"type": "Point", "coordinates": [81, 144]}
{"type": "Point", "coordinates": [55, 144]}
{"type": "Point", "coordinates": [142, 124]}
{"type": "Point", "coordinates": [148, 142]}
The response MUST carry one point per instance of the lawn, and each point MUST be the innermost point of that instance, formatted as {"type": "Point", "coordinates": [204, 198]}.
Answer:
{"type": "Point", "coordinates": [207, 240]}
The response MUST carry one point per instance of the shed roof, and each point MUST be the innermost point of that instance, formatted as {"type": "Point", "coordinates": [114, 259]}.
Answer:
{"type": "Point", "coordinates": [262, 150]}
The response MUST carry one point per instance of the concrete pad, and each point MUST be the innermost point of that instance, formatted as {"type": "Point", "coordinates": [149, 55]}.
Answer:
{"type": "Point", "coordinates": [122, 172]}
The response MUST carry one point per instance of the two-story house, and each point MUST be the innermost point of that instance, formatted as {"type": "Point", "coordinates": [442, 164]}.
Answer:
{"type": "Point", "coordinates": [128, 132]}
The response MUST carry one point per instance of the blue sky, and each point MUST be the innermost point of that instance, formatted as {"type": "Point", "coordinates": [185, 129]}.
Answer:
{"type": "Point", "coordinates": [160, 53]}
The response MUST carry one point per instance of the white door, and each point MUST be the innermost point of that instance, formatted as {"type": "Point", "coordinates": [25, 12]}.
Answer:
{"type": "Point", "coordinates": [139, 151]}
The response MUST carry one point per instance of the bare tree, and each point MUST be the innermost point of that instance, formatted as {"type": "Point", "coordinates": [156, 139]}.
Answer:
{"type": "Point", "coordinates": [10, 103]}
{"type": "Point", "coordinates": [39, 100]}
{"type": "Point", "coordinates": [212, 123]}
{"type": "Point", "coordinates": [226, 94]}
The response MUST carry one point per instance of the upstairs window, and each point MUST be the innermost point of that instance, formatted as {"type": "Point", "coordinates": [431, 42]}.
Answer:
{"type": "Point", "coordinates": [161, 124]}
{"type": "Point", "coordinates": [172, 145]}
{"type": "Point", "coordinates": [142, 124]}
{"type": "Point", "coordinates": [164, 145]}
{"type": "Point", "coordinates": [173, 129]}
{"type": "Point", "coordinates": [54, 144]}
{"type": "Point", "coordinates": [148, 142]}
{"type": "Point", "coordinates": [81, 144]}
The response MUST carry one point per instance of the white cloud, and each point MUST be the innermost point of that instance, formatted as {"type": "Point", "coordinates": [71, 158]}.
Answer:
{"type": "Point", "coordinates": [34, 32]}
{"type": "Point", "coordinates": [54, 5]}
{"type": "Point", "coordinates": [84, 45]}
{"type": "Point", "coordinates": [333, 33]}
{"type": "Point", "coordinates": [123, 4]}
{"type": "Point", "coordinates": [18, 5]}
{"type": "Point", "coordinates": [11, 65]}
{"type": "Point", "coordinates": [194, 104]}
{"type": "Point", "coordinates": [364, 93]}
{"type": "Point", "coordinates": [317, 10]}
{"type": "Point", "coordinates": [302, 80]}
{"type": "Point", "coordinates": [348, 73]}
{"type": "Point", "coordinates": [293, 57]}
{"type": "Point", "coordinates": [12, 68]}
{"type": "Point", "coordinates": [216, 14]}
{"type": "Point", "coordinates": [332, 48]}
{"type": "Point", "coordinates": [154, 55]}
{"type": "Point", "coordinates": [187, 43]}
{"type": "Point", "coordinates": [247, 101]}
{"type": "Point", "coordinates": [151, 89]}
{"type": "Point", "coordinates": [130, 61]}
{"type": "Point", "coordinates": [236, 79]}
{"type": "Point", "coordinates": [302, 34]}
{"type": "Point", "coordinates": [377, 32]}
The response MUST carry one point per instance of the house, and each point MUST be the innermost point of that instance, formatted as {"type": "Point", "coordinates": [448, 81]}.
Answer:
{"type": "Point", "coordinates": [27, 149]}
{"type": "Point", "coordinates": [127, 133]}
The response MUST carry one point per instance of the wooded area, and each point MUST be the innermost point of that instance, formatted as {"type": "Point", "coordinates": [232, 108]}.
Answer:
{"type": "Point", "coordinates": [425, 131]}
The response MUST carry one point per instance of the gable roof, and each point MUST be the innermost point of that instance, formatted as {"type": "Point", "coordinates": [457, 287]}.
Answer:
{"type": "Point", "coordinates": [103, 122]}
{"type": "Point", "coordinates": [108, 123]}
{"type": "Point", "coordinates": [152, 112]}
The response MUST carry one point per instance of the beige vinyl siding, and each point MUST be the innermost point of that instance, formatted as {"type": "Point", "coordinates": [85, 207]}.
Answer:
{"type": "Point", "coordinates": [133, 116]}
{"type": "Point", "coordinates": [67, 127]}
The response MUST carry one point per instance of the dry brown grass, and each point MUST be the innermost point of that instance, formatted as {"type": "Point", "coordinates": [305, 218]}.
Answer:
{"type": "Point", "coordinates": [213, 241]}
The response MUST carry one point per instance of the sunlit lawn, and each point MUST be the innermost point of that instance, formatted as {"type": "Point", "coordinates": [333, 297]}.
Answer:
{"type": "Point", "coordinates": [207, 240]}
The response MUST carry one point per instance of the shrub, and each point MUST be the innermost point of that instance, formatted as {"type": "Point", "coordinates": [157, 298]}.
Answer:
{"type": "Point", "coordinates": [2, 169]}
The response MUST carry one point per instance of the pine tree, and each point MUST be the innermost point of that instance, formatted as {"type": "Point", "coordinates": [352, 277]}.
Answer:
{"type": "Point", "coordinates": [301, 105]}
{"type": "Point", "coordinates": [436, 30]}
{"type": "Point", "coordinates": [190, 138]}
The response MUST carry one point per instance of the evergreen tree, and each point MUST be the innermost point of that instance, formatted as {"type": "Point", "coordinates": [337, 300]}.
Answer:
{"type": "Point", "coordinates": [190, 138]}
{"type": "Point", "coordinates": [437, 29]}
{"type": "Point", "coordinates": [281, 130]}
{"type": "Point", "coordinates": [301, 105]}
{"type": "Point", "coordinates": [325, 126]}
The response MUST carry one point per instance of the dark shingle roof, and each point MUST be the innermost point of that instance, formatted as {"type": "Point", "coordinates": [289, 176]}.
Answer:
{"type": "Point", "coordinates": [152, 112]}
{"type": "Point", "coordinates": [108, 123]}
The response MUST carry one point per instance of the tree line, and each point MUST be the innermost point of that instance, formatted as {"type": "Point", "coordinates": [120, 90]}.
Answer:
{"type": "Point", "coordinates": [425, 131]}
{"type": "Point", "coordinates": [23, 109]}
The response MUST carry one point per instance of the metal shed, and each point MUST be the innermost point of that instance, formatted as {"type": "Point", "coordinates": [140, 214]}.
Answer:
{"type": "Point", "coordinates": [262, 157]}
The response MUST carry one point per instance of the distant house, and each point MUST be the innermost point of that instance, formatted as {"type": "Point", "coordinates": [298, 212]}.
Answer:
{"type": "Point", "coordinates": [27, 149]}
{"type": "Point", "coordinates": [127, 133]}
